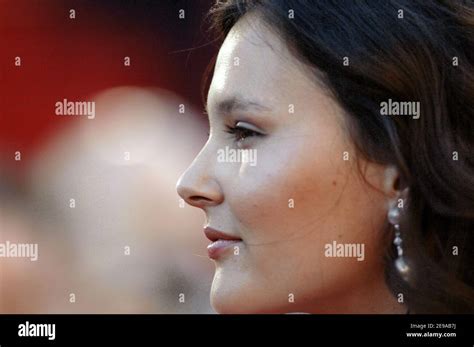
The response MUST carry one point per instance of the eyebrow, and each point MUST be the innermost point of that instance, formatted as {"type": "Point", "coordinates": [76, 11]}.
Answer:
{"type": "Point", "coordinates": [237, 103]}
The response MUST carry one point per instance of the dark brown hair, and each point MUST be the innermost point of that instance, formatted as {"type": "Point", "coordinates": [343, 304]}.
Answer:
{"type": "Point", "coordinates": [404, 50]}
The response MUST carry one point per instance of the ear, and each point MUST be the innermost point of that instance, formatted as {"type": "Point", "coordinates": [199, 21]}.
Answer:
{"type": "Point", "coordinates": [386, 179]}
{"type": "Point", "coordinates": [391, 181]}
{"type": "Point", "coordinates": [393, 187]}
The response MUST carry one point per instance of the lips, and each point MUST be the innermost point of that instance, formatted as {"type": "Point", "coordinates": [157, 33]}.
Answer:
{"type": "Point", "coordinates": [221, 242]}
{"type": "Point", "coordinates": [214, 235]}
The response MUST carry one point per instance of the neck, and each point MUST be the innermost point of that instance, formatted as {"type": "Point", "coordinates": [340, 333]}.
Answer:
{"type": "Point", "coordinates": [370, 297]}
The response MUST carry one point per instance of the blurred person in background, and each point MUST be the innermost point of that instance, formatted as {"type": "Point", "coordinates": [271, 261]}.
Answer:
{"type": "Point", "coordinates": [125, 233]}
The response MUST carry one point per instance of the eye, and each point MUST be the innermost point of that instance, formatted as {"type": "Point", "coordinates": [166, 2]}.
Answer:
{"type": "Point", "coordinates": [241, 131]}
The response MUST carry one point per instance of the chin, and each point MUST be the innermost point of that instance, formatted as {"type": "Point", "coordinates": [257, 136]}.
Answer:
{"type": "Point", "coordinates": [229, 300]}
{"type": "Point", "coordinates": [225, 300]}
{"type": "Point", "coordinates": [223, 306]}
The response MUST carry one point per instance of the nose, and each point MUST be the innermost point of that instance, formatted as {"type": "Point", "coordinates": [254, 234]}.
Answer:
{"type": "Point", "coordinates": [198, 186]}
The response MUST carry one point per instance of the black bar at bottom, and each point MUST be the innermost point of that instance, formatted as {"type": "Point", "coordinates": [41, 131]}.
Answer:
{"type": "Point", "coordinates": [324, 330]}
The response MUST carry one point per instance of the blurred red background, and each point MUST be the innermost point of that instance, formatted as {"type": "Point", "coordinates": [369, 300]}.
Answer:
{"type": "Point", "coordinates": [70, 58]}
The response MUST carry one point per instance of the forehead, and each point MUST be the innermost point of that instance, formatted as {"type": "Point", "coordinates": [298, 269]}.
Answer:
{"type": "Point", "coordinates": [254, 62]}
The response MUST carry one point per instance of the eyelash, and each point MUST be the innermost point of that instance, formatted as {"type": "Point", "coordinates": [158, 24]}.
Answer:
{"type": "Point", "coordinates": [241, 133]}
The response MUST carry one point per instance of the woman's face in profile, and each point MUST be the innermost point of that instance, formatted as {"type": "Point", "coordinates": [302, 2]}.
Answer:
{"type": "Point", "coordinates": [299, 195]}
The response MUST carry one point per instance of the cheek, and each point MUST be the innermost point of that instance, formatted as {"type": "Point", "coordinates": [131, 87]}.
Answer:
{"type": "Point", "coordinates": [301, 196]}
{"type": "Point", "coordinates": [296, 182]}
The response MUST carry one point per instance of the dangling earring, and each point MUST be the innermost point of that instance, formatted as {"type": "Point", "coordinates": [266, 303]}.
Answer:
{"type": "Point", "coordinates": [400, 263]}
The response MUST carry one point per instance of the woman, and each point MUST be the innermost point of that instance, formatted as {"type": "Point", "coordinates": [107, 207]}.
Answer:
{"type": "Point", "coordinates": [360, 194]}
